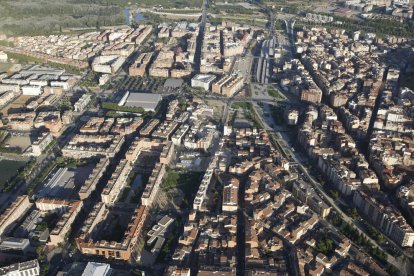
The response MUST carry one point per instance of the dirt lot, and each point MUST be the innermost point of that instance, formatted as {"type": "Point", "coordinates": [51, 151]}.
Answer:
{"type": "Point", "coordinates": [22, 142]}
{"type": "Point", "coordinates": [18, 103]}
{"type": "Point", "coordinates": [218, 107]}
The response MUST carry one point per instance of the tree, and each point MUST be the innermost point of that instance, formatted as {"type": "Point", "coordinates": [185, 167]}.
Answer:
{"type": "Point", "coordinates": [136, 272]}
{"type": "Point", "coordinates": [353, 213]}
{"type": "Point", "coordinates": [183, 104]}
{"type": "Point", "coordinates": [336, 219]}
{"type": "Point", "coordinates": [44, 269]}
{"type": "Point", "coordinates": [334, 194]}
{"type": "Point", "coordinates": [324, 246]}
{"type": "Point", "coordinates": [375, 234]}
{"type": "Point", "coordinates": [40, 253]}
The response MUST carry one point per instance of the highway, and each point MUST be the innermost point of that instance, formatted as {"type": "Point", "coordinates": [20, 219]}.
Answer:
{"type": "Point", "coordinates": [190, 15]}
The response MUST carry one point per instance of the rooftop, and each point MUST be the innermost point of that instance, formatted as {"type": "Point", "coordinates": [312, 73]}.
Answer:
{"type": "Point", "coordinates": [18, 267]}
{"type": "Point", "coordinates": [96, 269]}
{"type": "Point", "coordinates": [148, 101]}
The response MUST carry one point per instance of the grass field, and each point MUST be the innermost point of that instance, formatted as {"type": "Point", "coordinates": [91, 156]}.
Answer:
{"type": "Point", "coordinates": [274, 93]}
{"type": "Point", "coordinates": [407, 81]}
{"type": "Point", "coordinates": [8, 169]}
{"type": "Point", "coordinates": [4, 67]}
{"type": "Point", "coordinates": [187, 182]}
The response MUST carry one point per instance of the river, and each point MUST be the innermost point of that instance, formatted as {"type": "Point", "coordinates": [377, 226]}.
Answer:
{"type": "Point", "coordinates": [137, 17]}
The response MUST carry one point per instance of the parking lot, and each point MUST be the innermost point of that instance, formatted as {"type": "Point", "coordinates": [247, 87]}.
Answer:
{"type": "Point", "coordinates": [136, 84]}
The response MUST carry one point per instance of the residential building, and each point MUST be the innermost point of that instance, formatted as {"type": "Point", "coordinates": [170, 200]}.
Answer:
{"type": "Point", "coordinates": [13, 213]}
{"type": "Point", "coordinates": [41, 143]}
{"type": "Point", "coordinates": [31, 268]}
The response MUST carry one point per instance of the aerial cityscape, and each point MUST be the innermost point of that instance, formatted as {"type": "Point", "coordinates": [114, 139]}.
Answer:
{"type": "Point", "coordinates": [206, 137]}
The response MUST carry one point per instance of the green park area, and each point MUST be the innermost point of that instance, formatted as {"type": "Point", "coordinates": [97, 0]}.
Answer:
{"type": "Point", "coordinates": [274, 93]}
{"type": "Point", "coordinates": [187, 182]}
{"type": "Point", "coordinates": [360, 240]}
{"type": "Point", "coordinates": [407, 80]}
{"type": "Point", "coordinates": [277, 114]}
{"type": "Point", "coordinates": [9, 169]}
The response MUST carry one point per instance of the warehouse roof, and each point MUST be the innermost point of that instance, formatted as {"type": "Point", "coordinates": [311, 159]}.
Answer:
{"type": "Point", "coordinates": [148, 101]}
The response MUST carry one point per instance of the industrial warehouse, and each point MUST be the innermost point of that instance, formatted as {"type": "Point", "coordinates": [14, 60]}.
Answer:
{"type": "Point", "coordinates": [147, 101]}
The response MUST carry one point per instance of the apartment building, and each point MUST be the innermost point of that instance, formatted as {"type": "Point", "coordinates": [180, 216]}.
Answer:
{"type": "Point", "coordinates": [308, 196]}
{"type": "Point", "coordinates": [230, 195]}
{"type": "Point", "coordinates": [50, 120]}
{"type": "Point", "coordinates": [116, 183]}
{"type": "Point", "coordinates": [140, 65]}
{"type": "Point", "coordinates": [151, 189]}
{"type": "Point", "coordinates": [203, 188]}
{"type": "Point", "coordinates": [21, 121]}
{"type": "Point", "coordinates": [13, 213]}
{"type": "Point", "coordinates": [67, 210]}
{"type": "Point", "coordinates": [6, 97]}
{"type": "Point", "coordinates": [41, 143]}
{"type": "Point", "coordinates": [29, 268]}
{"type": "Point", "coordinates": [178, 136]}
{"type": "Point", "coordinates": [167, 154]}
{"type": "Point", "coordinates": [149, 127]}
{"type": "Point", "coordinates": [86, 146]}
{"type": "Point", "coordinates": [93, 179]}
{"type": "Point", "coordinates": [109, 64]}
{"type": "Point", "coordinates": [82, 103]}
{"type": "Point", "coordinates": [123, 250]}
{"type": "Point", "coordinates": [98, 213]}
{"type": "Point", "coordinates": [313, 95]}
{"type": "Point", "coordinates": [228, 85]}
{"type": "Point", "coordinates": [165, 130]}
{"type": "Point", "coordinates": [379, 212]}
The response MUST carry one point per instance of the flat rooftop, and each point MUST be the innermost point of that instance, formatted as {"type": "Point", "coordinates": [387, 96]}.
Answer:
{"type": "Point", "coordinates": [19, 266]}
{"type": "Point", "coordinates": [60, 184]}
{"type": "Point", "coordinates": [173, 83]}
{"type": "Point", "coordinates": [205, 78]}
{"type": "Point", "coordinates": [93, 269]}
{"type": "Point", "coordinates": [148, 101]}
